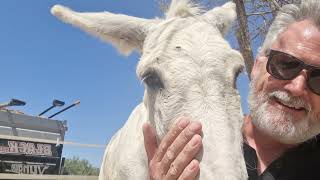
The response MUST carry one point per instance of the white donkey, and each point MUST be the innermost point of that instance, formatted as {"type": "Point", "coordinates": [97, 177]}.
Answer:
{"type": "Point", "coordinates": [188, 70]}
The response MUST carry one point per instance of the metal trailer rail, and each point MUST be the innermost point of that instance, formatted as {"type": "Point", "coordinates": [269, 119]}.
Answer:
{"type": "Point", "coordinates": [47, 177]}
{"type": "Point", "coordinates": [22, 125]}
{"type": "Point", "coordinates": [57, 142]}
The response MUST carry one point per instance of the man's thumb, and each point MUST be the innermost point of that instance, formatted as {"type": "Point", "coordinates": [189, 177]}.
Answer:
{"type": "Point", "coordinates": [150, 140]}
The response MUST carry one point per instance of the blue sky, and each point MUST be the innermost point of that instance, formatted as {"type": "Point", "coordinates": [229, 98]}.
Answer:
{"type": "Point", "coordinates": [44, 59]}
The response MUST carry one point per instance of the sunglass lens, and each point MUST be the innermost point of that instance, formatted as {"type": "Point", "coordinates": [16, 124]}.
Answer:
{"type": "Point", "coordinates": [314, 81]}
{"type": "Point", "coordinates": [284, 67]}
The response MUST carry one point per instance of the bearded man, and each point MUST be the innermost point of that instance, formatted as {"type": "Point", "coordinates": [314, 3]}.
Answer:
{"type": "Point", "coordinates": [280, 133]}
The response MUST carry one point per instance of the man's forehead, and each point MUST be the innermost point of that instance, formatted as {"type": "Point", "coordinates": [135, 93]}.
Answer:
{"type": "Point", "coordinates": [299, 39]}
{"type": "Point", "coordinates": [299, 33]}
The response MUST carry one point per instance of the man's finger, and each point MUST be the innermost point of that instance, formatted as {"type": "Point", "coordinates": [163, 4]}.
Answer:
{"type": "Point", "coordinates": [191, 171]}
{"type": "Point", "coordinates": [150, 140]}
{"type": "Point", "coordinates": [184, 158]}
{"type": "Point", "coordinates": [179, 144]}
{"type": "Point", "coordinates": [170, 137]}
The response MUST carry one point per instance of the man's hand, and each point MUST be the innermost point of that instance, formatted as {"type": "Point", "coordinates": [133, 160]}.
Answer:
{"type": "Point", "coordinates": [174, 157]}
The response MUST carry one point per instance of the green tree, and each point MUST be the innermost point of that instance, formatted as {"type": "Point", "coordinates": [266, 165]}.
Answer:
{"type": "Point", "coordinates": [77, 166]}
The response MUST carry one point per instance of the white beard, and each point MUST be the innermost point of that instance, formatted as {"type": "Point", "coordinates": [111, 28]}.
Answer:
{"type": "Point", "coordinates": [279, 124]}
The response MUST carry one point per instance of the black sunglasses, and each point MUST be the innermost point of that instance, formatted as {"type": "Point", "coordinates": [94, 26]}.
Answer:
{"type": "Point", "coordinates": [284, 66]}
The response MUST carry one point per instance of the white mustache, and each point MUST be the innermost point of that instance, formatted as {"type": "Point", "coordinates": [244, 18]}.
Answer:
{"type": "Point", "coordinates": [286, 98]}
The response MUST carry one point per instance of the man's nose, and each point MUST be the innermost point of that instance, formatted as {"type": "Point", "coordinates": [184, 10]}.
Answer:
{"type": "Point", "coordinates": [298, 85]}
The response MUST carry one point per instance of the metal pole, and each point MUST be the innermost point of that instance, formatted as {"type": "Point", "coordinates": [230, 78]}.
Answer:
{"type": "Point", "coordinates": [13, 102]}
{"type": "Point", "coordinates": [55, 103]}
{"type": "Point", "coordinates": [46, 110]}
{"type": "Point", "coordinates": [4, 105]}
{"type": "Point", "coordinates": [74, 104]}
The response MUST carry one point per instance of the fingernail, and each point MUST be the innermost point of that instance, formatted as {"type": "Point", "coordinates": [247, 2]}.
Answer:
{"type": "Point", "coordinates": [183, 123]}
{"type": "Point", "coordinates": [192, 166]}
{"type": "Point", "coordinates": [195, 126]}
{"type": "Point", "coordinates": [194, 141]}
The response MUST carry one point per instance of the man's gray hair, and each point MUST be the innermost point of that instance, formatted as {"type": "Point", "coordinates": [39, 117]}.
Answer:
{"type": "Point", "coordinates": [291, 13]}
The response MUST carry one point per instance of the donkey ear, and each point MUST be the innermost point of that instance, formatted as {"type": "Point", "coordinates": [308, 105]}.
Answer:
{"type": "Point", "coordinates": [222, 17]}
{"type": "Point", "coordinates": [124, 32]}
{"type": "Point", "coordinates": [183, 8]}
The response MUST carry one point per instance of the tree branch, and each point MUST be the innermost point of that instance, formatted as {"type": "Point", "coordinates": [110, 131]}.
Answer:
{"type": "Point", "coordinates": [275, 3]}
{"type": "Point", "coordinates": [243, 36]}
{"type": "Point", "coordinates": [259, 13]}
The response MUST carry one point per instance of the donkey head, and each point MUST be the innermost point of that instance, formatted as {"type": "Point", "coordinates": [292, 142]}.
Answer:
{"type": "Point", "coordinates": [188, 70]}
{"type": "Point", "coordinates": [185, 62]}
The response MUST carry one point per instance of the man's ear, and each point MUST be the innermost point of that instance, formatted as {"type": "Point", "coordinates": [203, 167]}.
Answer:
{"type": "Point", "coordinates": [124, 32]}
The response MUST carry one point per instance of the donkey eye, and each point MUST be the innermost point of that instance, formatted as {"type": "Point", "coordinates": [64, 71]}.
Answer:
{"type": "Point", "coordinates": [153, 81]}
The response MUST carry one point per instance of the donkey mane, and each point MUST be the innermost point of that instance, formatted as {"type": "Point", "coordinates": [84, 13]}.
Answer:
{"type": "Point", "coordinates": [183, 8]}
